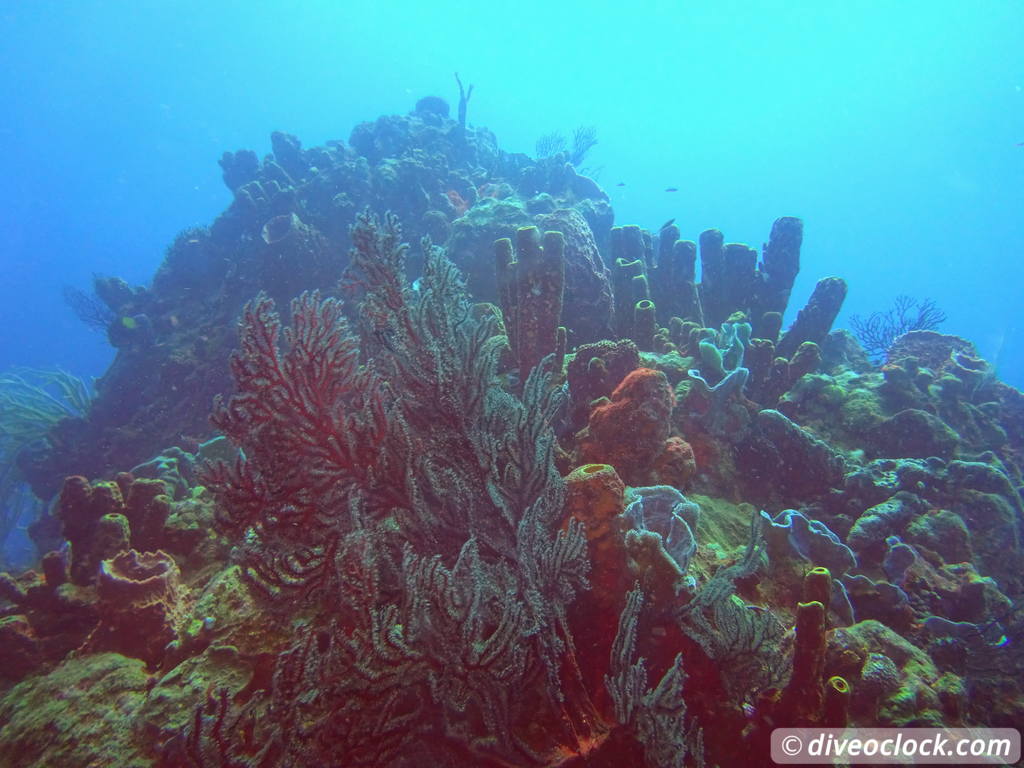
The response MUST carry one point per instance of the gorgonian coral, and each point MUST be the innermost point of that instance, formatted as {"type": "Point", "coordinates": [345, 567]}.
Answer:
{"type": "Point", "coordinates": [414, 508]}
{"type": "Point", "coordinates": [879, 330]}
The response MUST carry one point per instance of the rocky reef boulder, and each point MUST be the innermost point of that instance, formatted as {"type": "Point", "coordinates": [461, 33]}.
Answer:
{"type": "Point", "coordinates": [913, 434]}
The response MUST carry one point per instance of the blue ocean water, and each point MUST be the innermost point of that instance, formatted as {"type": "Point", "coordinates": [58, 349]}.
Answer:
{"type": "Point", "coordinates": [893, 130]}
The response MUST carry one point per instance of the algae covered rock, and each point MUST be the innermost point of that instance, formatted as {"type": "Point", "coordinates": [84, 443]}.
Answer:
{"type": "Point", "coordinates": [588, 295]}
{"type": "Point", "coordinates": [234, 614]}
{"type": "Point", "coordinates": [943, 532]}
{"type": "Point", "coordinates": [897, 684]}
{"type": "Point", "coordinates": [914, 434]}
{"type": "Point", "coordinates": [885, 519]}
{"type": "Point", "coordinates": [471, 245]}
{"type": "Point", "coordinates": [783, 462]}
{"type": "Point", "coordinates": [170, 706]}
{"type": "Point", "coordinates": [82, 713]}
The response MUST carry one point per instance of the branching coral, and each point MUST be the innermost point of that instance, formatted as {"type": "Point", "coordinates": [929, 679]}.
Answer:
{"type": "Point", "coordinates": [414, 506]}
{"type": "Point", "coordinates": [740, 638]}
{"type": "Point", "coordinates": [584, 137]}
{"type": "Point", "coordinates": [879, 330]}
{"type": "Point", "coordinates": [311, 403]}
{"type": "Point", "coordinates": [657, 715]}
{"type": "Point", "coordinates": [89, 308]}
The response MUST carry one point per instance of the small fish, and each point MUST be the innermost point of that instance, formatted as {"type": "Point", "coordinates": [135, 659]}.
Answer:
{"type": "Point", "coordinates": [671, 189]}
{"type": "Point", "coordinates": [621, 184]}
{"type": "Point", "coordinates": [668, 224]}
{"type": "Point", "coordinates": [416, 283]}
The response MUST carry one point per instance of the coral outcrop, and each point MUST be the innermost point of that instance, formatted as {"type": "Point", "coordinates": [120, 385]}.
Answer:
{"type": "Point", "coordinates": [413, 543]}
{"type": "Point", "coordinates": [630, 431]}
{"type": "Point", "coordinates": [286, 231]}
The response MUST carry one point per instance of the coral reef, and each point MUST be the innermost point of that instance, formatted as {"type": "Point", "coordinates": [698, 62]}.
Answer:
{"type": "Point", "coordinates": [287, 231]}
{"type": "Point", "coordinates": [585, 503]}
{"type": "Point", "coordinates": [479, 608]}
